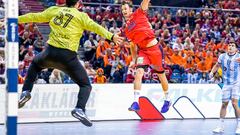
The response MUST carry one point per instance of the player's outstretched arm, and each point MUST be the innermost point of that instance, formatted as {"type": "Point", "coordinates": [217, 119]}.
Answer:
{"type": "Point", "coordinates": [90, 25]}
{"type": "Point", "coordinates": [40, 17]}
{"type": "Point", "coordinates": [145, 4]}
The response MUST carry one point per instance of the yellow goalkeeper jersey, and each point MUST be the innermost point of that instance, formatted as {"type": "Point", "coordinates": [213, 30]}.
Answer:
{"type": "Point", "coordinates": [67, 25]}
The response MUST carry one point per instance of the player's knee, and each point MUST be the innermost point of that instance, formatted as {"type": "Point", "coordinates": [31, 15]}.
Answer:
{"type": "Point", "coordinates": [86, 87]}
{"type": "Point", "coordinates": [224, 105]}
{"type": "Point", "coordinates": [235, 104]}
{"type": "Point", "coordinates": [89, 87]}
{"type": "Point", "coordinates": [139, 73]}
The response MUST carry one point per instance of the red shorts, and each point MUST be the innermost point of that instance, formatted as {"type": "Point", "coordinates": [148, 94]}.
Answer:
{"type": "Point", "coordinates": [151, 56]}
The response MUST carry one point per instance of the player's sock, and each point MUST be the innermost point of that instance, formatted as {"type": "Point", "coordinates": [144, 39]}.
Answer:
{"type": "Point", "coordinates": [221, 123]}
{"type": "Point", "coordinates": [136, 95]}
{"type": "Point", "coordinates": [166, 96]}
{"type": "Point", "coordinates": [237, 132]}
{"type": "Point", "coordinates": [238, 122]}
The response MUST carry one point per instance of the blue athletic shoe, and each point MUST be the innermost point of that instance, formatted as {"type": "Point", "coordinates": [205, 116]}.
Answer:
{"type": "Point", "coordinates": [25, 96]}
{"type": "Point", "coordinates": [134, 107]}
{"type": "Point", "coordinates": [166, 106]}
{"type": "Point", "coordinates": [80, 115]}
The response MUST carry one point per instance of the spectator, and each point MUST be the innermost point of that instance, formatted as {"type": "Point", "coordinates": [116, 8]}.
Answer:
{"type": "Point", "coordinates": [201, 66]}
{"type": "Point", "coordinates": [29, 56]}
{"type": "Point", "coordinates": [188, 44]}
{"type": "Point", "coordinates": [189, 64]}
{"type": "Point", "coordinates": [154, 76]}
{"type": "Point", "coordinates": [25, 39]}
{"type": "Point", "coordinates": [108, 15]}
{"type": "Point", "coordinates": [22, 71]}
{"type": "Point", "coordinates": [100, 78]}
{"type": "Point", "coordinates": [108, 59]}
{"type": "Point", "coordinates": [45, 75]}
{"type": "Point", "coordinates": [166, 35]}
{"type": "Point", "coordinates": [67, 79]}
{"type": "Point", "coordinates": [100, 52]}
{"type": "Point", "coordinates": [90, 71]}
{"type": "Point", "coordinates": [22, 52]}
{"type": "Point", "coordinates": [118, 74]}
{"type": "Point", "coordinates": [130, 75]}
{"type": "Point", "coordinates": [55, 77]}
{"type": "Point", "coordinates": [168, 72]}
{"type": "Point", "coordinates": [26, 28]}
{"type": "Point", "coordinates": [209, 60]}
{"type": "Point", "coordinates": [36, 33]}
{"type": "Point", "coordinates": [192, 76]}
{"type": "Point", "coordinates": [147, 75]}
{"type": "Point", "coordinates": [178, 44]}
{"type": "Point", "coordinates": [114, 29]}
{"type": "Point", "coordinates": [39, 45]}
{"type": "Point", "coordinates": [203, 79]}
{"type": "Point", "coordinates": [40, 81]}
{"type": "Point", "coordinates": [215, 33]}
{"type": "Point", "coordinates": [222, 46]}
{"type": "Point", "coordinates": [90, 47]}
{"type": "Point", "coordinates": [20, 79]}
{"type": "Point", "coordinates": [176, 58]}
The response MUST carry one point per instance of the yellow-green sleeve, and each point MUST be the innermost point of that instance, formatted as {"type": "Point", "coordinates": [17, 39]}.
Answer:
{"type": "Point", "coordinates": [90, 25]}
{"type": "Point", "coordinates": [40, 17]}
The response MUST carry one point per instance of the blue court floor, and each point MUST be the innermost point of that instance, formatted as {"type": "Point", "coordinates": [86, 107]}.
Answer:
{"type": "Point", "coordinates": [166, 127]}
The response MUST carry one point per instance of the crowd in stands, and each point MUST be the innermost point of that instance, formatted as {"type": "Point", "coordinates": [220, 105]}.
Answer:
{"type": "Point", "coordinates": [226, 4]}
{"type": "Point", "coordinates": [2, 44]}
{"type": "Point", "coordinates": [48, 3]}
{"type": "Point", "coordinates": [192, 41]}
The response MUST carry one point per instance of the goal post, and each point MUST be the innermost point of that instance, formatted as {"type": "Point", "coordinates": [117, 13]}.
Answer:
{"type": "Point", "coordinates": [11, 53]}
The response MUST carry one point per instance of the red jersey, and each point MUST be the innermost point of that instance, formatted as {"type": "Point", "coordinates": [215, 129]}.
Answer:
{"type": "Point", "coordinates": [138, 29]}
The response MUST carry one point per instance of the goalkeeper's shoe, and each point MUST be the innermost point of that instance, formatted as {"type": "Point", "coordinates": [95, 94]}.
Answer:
{"type": "Point", "coordinates": [25, 96]}
{"type": "Point", "coordinates": [80, 115]}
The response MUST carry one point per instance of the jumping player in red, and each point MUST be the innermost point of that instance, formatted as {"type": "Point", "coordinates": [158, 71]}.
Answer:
{"type": "Point", "coordinates": [149, 53]}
